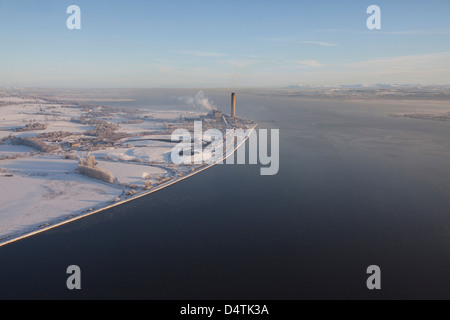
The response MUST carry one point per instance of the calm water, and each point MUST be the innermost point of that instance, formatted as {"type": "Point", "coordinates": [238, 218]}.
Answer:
{"type": "Point", "coordinates": [356, 187]}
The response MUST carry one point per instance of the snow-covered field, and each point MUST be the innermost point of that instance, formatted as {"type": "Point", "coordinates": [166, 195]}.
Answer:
{"type": "Point", "coordinates": [48, 165]}
{"type": "Point", "coordinates": [146, 154]}
{"type": "Point", "coordinates": [131, 173]}
{"type": "Point", "coordinates": [12, 150]}
{"type": "Point", "coordinates": [44, 189]}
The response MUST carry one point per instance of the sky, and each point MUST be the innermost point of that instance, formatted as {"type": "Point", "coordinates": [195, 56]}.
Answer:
{"type": "Point", "coordinates": [222, 43]}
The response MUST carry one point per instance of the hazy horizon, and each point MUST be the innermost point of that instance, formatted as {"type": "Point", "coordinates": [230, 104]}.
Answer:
{"type": "Point", "coordinates": [287, 87]}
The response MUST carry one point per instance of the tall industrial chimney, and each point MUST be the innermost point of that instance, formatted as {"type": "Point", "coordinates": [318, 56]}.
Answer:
{"type": "Point", "coordinates": [233, 105]}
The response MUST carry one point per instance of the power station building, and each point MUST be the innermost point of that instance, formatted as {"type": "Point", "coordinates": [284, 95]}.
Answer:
{"type": "Point", "coordinates": [218, 116]}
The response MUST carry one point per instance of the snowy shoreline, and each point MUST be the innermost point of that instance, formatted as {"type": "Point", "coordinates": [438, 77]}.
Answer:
{"type": "Point", "coordinates": [46, 226]}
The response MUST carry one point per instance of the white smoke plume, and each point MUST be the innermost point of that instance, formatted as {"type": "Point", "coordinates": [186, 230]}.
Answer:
{"type": "Point", "coordinates": [199, 101]}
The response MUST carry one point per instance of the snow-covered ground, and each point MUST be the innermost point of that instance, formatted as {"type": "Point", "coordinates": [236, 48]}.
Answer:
{"type": "Point", "coordinates": [132, 173]}
{"type": "Point", "coordinates": [154, 154]}
{"type": "Point", "coordinates": [39, 164]}
{"type": "Point", "coordinates": [20, 100]}
{"type": "Point", "coordinates": [45, 189]}
{"type": "Point", "coordinates": [12, 150]}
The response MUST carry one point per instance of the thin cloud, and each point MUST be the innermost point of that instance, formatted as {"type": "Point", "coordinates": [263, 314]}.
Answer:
{"type": "Point", "coordinates": [307, 63]}
{"type": "Point", "coordinates": [292, 40]}
{"type": "Point", "coordinates": [201, 53]}
{"type": "Point", "coordinates": [332, 30]}
{"type": "Point", "coordinates": [423, 68]}
{"type": "Point", "coordinates": [239, 63]}
{"type": "Point", "coordinates": [383, 31]}
{"type": "Point", "coordinates": [409, 62]}
{"type": "Point", "coordinates": [320, 43]}
{"type": "Point", "coordinates": [418, 32]}
{"type": "Point", "coordinates": [280, 39]}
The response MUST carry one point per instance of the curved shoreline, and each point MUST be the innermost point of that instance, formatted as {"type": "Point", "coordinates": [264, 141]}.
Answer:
{"type": "Point", "coordinates": [84, 215]}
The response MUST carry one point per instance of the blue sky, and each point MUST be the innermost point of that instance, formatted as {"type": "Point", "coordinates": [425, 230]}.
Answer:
{"type": "Point", "coordinates": [223, 43]}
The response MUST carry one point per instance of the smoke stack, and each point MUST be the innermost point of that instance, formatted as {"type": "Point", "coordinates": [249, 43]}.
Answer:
{"type": "Point", "coordinates": [233, 105]}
